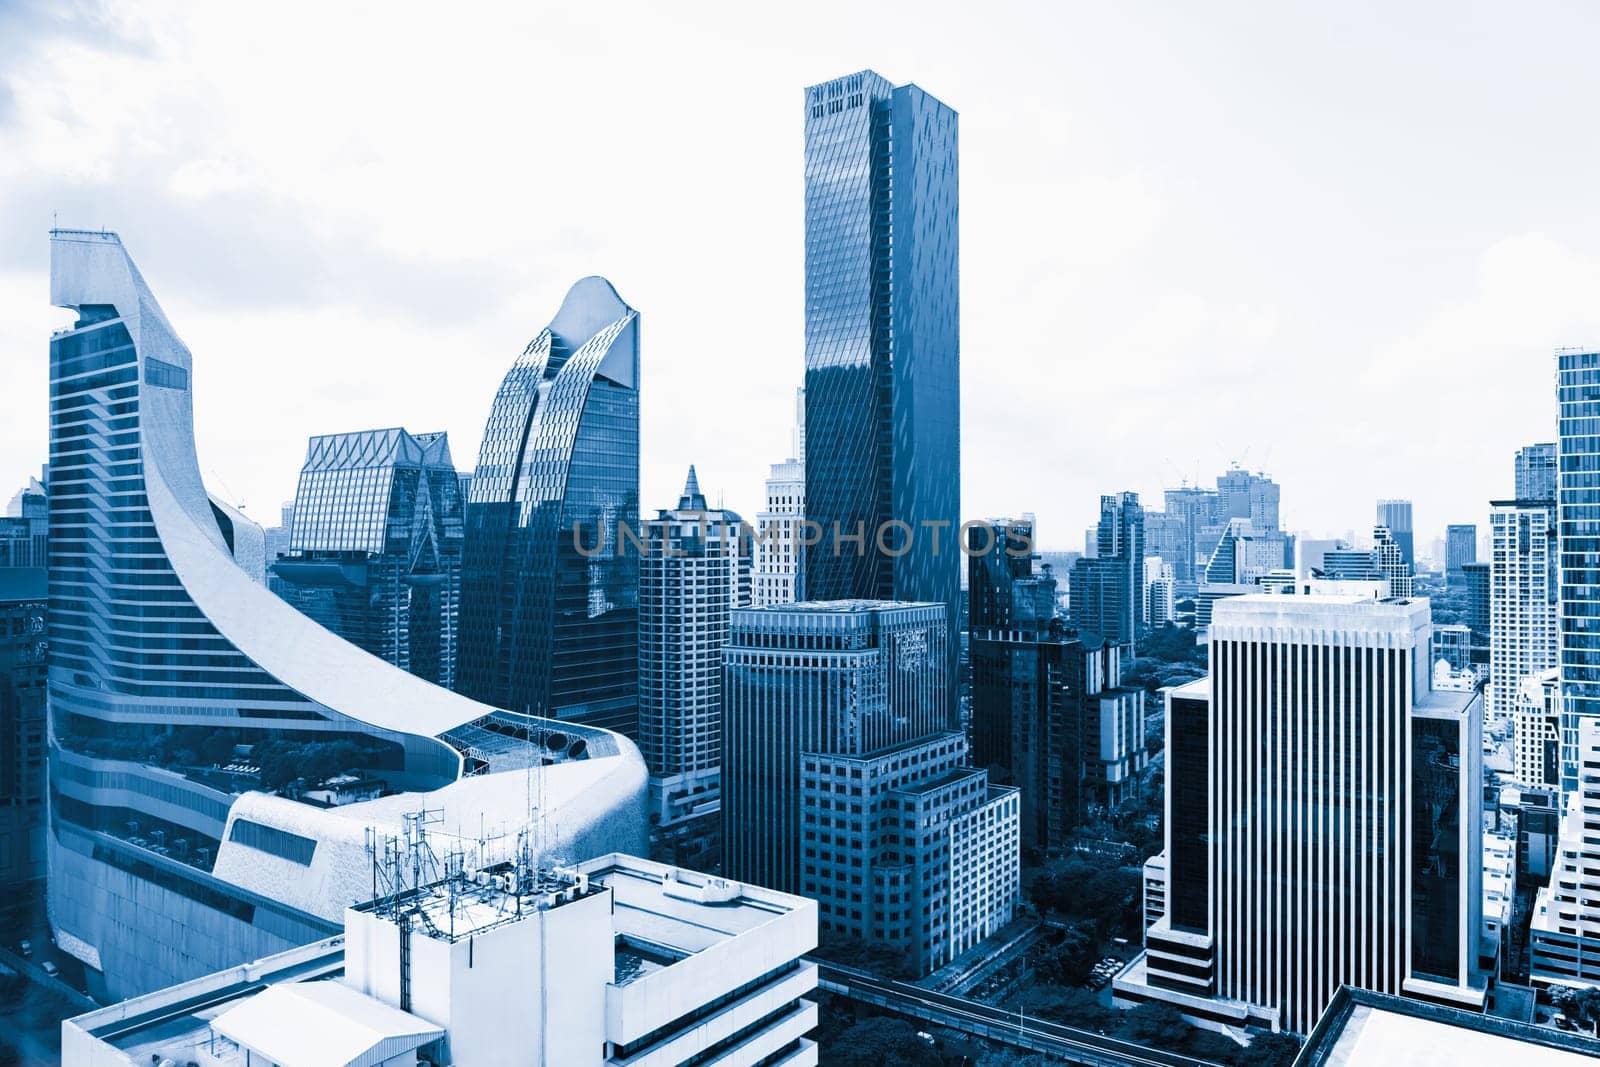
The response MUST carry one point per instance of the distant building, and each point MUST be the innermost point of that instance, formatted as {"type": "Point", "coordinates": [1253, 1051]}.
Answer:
{"type": "Point", "coordinates": [25, 528]}
{"type": "Point", "coordinates": [1252, 932]}
{"type": "Point", "coordinates": [777, 550]}
{"type": "Point", "coordinates": [1107, 592]}
{"type": "Point", "coordinates": [1361, 1028]}
{"type": "Point", "coordinates": [615, 961]}
{"type": "Point", "coordinates": [1522, 599]}
{"type": "Point", "coordinates": [374, 546]}
{"type": "Point", "coordinates": [1537, 730]}
{"type": "Point", "coordinates": [24, 599]}
{"type": "Point", "coordinates": [1159, 592]}
{"type": "Point", "coordinates": [1002, 589]}
{"type": "Point", "coordinates": [693, 573]}
{"type": "Point", "coordinates": [1477, 580]}
{"type": "Point", "coordinates": [1461, 548]}
{"type": "Point", "coordinates": [1192, 509]}
{"type": "Point", "coordinates": [1564, 934]}
{"type": "Point", "coordinates": [1395, 516]}
{"type": "Point", "coordinates": [1453, 644]}
{"type": "Point", "coordinates": [1537, 472]}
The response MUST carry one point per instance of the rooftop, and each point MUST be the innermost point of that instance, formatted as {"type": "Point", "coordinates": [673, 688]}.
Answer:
{"type": "Point", "coordinates": [1365, 1029]}
{"type": "Point", "coordinates": [324, 1022]}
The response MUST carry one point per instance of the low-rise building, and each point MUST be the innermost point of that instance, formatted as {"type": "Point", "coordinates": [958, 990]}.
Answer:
{"type": "Point", "coordinates": [615, 961]}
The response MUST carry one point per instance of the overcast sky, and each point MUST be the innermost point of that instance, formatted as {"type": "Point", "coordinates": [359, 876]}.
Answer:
{"type": "Point", "coordinates": [1338, 244]}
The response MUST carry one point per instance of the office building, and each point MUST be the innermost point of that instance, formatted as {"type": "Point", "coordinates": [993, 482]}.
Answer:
{"type": "Point", "coordinates": [1191, 509]}
{"type": "Point", "coordinates": [1564, 933]}
{"type": "Point", "coordinates": [615, 961]}
{"type": "Point", "coordinates": [777, 541]}
{"type": "Point", "coordinates": [1282, 884]}
{"type": "Point", "coordinates": [1243, 495]}
{"type": "Point", "coordinates": [191, 708]}
{"type": "Point", "coordinates": [1048, 710]}
{"type": "Point", "coordinates": [1537, 731]}
{"type": "Point", "coordinates": [23, 602]}
{"type": "Point", "coordinates": [1537, 472]}
{"type": "Point", "coordinates": [844, 678]}
{"type": "Point", "coordinates": [908, 848]}
{"type": "Point", "coordinates": [1361, 1028]}
{"type": "Point", "coordinates": [374, 546]}
{"type": "Point", "coordinates": [693, 574]}
{"type": "Point", "coordinates": [1452, 643]}
{"type": "Point", "coordinates": [1395, 516]}
{"type": "Point", "coordinates": [883, 413]}
{"type": "Point", "coordinates": [1522, 600]}
{"type": "Point", "coordinates": [25, 528]}
{"type": "Point", "coordinates": [549, 617]}
{"type": "Point", "coordinates": [1477, 579]}
{"type": "Point", "coordinates": [1107, 592]}
{"type": "Point", "coordinates": [1461, 548]}
{"type": "Point", "coordinates": [1003, 592]}
{"type": "Point", "coordinates": [1578, 516]}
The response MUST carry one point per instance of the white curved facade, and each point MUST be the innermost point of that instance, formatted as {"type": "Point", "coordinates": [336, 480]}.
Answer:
{"type": "Point", "coordinates": [169, 660]}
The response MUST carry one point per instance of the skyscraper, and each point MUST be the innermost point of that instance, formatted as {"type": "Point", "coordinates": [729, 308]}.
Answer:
{"type": "Point", "coordinates": [23, 603]}
{"type": "Point", "coordinates": [1194, 509]}
{"type": "Point", "coordinates": [548, 608]}
{"type": "Point", "coordinates": [1536, 472]}
{"type": "Point", "coordinates": [374, 550]}
{"type": "Point", "coordinates": [25, 528]}
{"type": "Point", "coordinates": [1296, 860]}
{"type": "Point", "coordinates": [1522, 599]}
{"type": "Point", "coordinates": [1395, 516]}
{"type": "Point", "coordinates": [778, 551]}
{"type": "Point", "coordinates": [1002, 590]}
{"type": "Point", "coordinates": [191, 708]}
{"type": "Point", "coordinates": [882, 345]}
{"type": "Point", "coordinates": [693, 574]}
{"type": "Point", "coordinates": [1564, 934]}
{"type": "Point", "coordinates": [1108, 591]}
{"type": "Point", "coordinates": [1578, 522]}
{"type": "Point", "coordinates": [1461, 548]}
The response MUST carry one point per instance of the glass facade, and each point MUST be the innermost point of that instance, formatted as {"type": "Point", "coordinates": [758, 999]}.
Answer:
{"type": "Point", "coordinates": [1578, 519]}
{"type": "Point", "coordinates": [882, 343]}
{"type": "Point", "coordinates": [375, 546]}
{"type": "Point", "coordinates": [1436, 860]}
{"type": "Point", "coordinates": [549, 588]}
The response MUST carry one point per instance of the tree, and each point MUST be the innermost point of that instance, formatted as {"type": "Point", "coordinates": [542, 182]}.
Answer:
{"type": "Point", "coordinates": [1072, 960]}
{"type": "Point", "coordinates": [882, 1042]}
{"type": "Point", "coordinates": [1157, 1025]}
{"type": "Point", "coordinates": [1269, 1050]}
{"type": "Point", "coordinates": [1582, 1006]}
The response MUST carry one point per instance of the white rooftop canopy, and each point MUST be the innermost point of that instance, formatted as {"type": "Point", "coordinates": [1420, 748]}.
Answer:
{"type": "Point", "coordinates": [322, 1024]}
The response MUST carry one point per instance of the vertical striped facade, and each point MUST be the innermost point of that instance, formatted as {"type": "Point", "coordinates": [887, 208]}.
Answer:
{"type": "Point", "coordinates": [1343, 802]}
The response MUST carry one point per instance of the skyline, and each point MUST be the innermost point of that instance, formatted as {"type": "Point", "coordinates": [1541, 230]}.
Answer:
{"type": "Point", "coordinates": [1201, 267]}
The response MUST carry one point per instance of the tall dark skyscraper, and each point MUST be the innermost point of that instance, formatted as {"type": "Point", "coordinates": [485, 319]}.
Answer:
{"type": "Point", "coordinates": [1107, 592]}
{"type": "Point", "coordinates": [883, 316]}
{"type": "Point", "coordinates": [549, 591]}
{"type": "Point", "coordinates": [374, 549]}
{"type": "Point", "coordinates": [1396, 516]}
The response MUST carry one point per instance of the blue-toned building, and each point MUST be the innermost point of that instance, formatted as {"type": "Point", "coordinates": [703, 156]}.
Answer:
{"type": "Point", "coordinates": [549, 614]}
{"type": "Point", "coordinates": [375, 546]}
{"type": "Point", "coordinates": [1578, 532]}
{"type": "Point", "coordinates": [23, 600]}
{"type": "Point", "coordinates": [195, 716]}
{"type": "Point", "coordinates": [883, 315]}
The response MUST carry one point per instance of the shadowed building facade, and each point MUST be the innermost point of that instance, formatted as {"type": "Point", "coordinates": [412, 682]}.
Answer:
{"type": "Point", "coordinates": [882, 345]}
{"type": "Point", "coordinates": [549, 590]}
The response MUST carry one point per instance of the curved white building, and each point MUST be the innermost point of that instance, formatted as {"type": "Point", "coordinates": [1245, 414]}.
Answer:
{"type": "Point", "coordinates": [183, 693]}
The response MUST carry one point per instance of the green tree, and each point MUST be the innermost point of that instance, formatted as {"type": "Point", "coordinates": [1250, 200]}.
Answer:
{"type": "Point", "coordinates": [882, 1042]}
{"type": "Point", "coordinates": [1269, 1050]}
{"type": "Point", "coordinates": [1070, 961]}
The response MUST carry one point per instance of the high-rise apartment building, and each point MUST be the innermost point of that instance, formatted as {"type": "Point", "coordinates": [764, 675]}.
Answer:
{"type": "Point", "coordinates": [549, 617]}
{"type": "Point", "coordinates": [1537, 732]}
{"type": "Point", "coordinates": [1107, 592]}
{"type": "Point", "coordinates": [1461, 548]}
{"type": "Point", "coordinates": [194, 714]}
{"type": "Point", "coordinates": [1564, 934]}
{"type": "Point", "coordinates": [1395, 516]}
{"type": "Point", "coordinates": [1537, 472]}
{"type": "Point", "coordinates": [1578, 518]}
{"type": "Point", "coordinates": [1522, 600]}
{"type": "Point", "coordinates": [882, 346]}
{"type": "Point", "coordinates": [1002, 589]}
{"type": "Point", "coordinates": [694, 572]}
{"type": "Point", "coordinates": [1160, 596]}
{"type": "Point", "coordinates": [612, 962]}
{"type": "Point", "coordinates": [374, 546]}
{"type": "Point", "coordinates": [1297, 859]}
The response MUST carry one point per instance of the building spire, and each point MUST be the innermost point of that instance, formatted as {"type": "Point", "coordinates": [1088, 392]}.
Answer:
{"type": "Point", "coordinates": [692, 499]}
